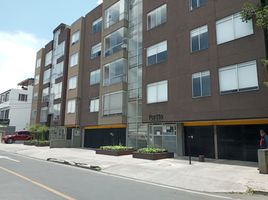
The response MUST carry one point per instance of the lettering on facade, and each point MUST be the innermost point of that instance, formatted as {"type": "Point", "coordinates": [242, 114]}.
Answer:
{"type": "Point", "coordinates": [156, 118]}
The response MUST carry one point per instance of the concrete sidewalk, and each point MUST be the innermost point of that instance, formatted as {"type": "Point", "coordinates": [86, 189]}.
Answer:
{"type": "Point", "coordinates": [212, 176]}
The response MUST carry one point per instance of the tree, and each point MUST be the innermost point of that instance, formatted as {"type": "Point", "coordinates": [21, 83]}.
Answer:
{"type": "Point", "coordinates": [259, 13]}
{"type": "Point", "coordinates": [38, 131]}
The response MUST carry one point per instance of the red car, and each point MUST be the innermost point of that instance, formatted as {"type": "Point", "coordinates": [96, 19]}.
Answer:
{"type": "Point", "coordinates": [19, 135]}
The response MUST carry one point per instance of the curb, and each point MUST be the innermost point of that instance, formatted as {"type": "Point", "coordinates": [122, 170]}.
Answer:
{"type": "Point", "coordinates": [75, 164]}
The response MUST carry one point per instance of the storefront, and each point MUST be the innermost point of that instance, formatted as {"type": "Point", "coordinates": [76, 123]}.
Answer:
{"type": "Point", "coordinates": [225, 139]}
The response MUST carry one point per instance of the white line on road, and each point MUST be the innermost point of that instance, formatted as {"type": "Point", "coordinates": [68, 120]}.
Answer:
{"type": "Point", "coordinates": [7, 158]}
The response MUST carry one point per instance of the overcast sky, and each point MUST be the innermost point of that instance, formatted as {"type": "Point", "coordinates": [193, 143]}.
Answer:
{"type": "Point", "coordinates": [25, 27]}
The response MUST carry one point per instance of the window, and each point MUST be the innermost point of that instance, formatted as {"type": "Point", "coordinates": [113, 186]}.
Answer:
{"type": "Point", "coordinates": [197, 3]}
{"type": "Point", "coordinates": [157, 92]}
{"type": "Point", "coordinates": [201, 84]}
{"type": "Point", "coordinates": [45, 95]}
{"type": "Point", "coordinates": [95, 77]}
{"type": "Point", "coordinates": [58, 70]}
{"type": "Point", "coordinates": [237, 78]}
{"type": "Point", "coordinates": [96, 51]}
{"type": "Point", "coordinates": [199, 38]}
{"type": "Point", "coordinates": [48, 58]}
{"type": "Point", "coordinates": [115, 13]}
{"type": "Point", "coordinates": [36, 79]}
{"type": "Point", "coordinates": [115, 72]}
{"type": "Point", "coordinates": [73, 60]}
{"type": "Point", "coordinates": [35, 96]}
{"type": "Point", "coordinates": [115, 42]}
{"type": "Point", "coordinates": [72, 82]}
{"type": "Point", "coordinates": [22, 97]}
{"type": "Point", "coordinates": [157, 17]}
{"type": "Point", "coordinates": [38, 62]}
{"type": "Point", "coordinates": [157, 53]}
{"type": "Point", "coordinates": [56, 111]}
{"type": "Point", "coordinates": [71, 106]}
{"type": "Point", "coordinates": [46, 77]}
{"type": "Point", "coordinates": [34, 113]}
{"type": "Point", "coordinates": [113, 103]}
{"type": "Point", "coordinates": [4, 114]}
{"type": "Point", "coordinates": [94, 105]}
{"type": "Point", "coordinates": [57, 90]}
{"type": "Point", "coordinates": [75, 37]}
{"type": "Point", "coordinates": [43, 114]}
{"type": "Point", "coordinates": [97, 25]}
{"type": "Point", "coordinates": [232, 27]}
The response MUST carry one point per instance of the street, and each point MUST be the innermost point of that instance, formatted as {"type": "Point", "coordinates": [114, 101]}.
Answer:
{"type": "Point", "coordinates": [32, 179]}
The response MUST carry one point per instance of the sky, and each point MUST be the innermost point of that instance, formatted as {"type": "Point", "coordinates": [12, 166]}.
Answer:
{"type": "Point", "coordinates": [25, 27]}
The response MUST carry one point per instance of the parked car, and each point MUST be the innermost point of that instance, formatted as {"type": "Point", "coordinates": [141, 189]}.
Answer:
{"type": "Point", "coordinates": [18, 135]}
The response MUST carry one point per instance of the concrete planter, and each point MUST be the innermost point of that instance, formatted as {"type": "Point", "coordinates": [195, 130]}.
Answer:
{"type": "Point", "coordinates": [114, 152]}
{"type": "Point", "coordinates": [153, 156]}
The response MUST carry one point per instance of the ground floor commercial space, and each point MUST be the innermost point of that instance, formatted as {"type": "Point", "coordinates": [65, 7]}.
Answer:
{"type": "Point", "coordinates": [225, 139]}
{"type": "Point", "coordinates": [96, 136]}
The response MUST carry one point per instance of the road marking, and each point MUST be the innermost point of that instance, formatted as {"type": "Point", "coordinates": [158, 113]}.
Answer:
{"type": "Point", "coordinates": [133, 179]}
{"type": "Point", "coordinates": [38, 184]}
{"type": "Point", "coordinates": [5, 157]}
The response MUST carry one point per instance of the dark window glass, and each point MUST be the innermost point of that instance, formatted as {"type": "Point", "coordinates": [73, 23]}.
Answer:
{"type": "Point", "coordinates": [161, 57]}
{"type": "Point", "coordinates": [151, 60]}
{"type": "Point", "coordinates": [204, 41]}
{"type": "Point", "coordinates": [206, 86]}
{"type": "Point", "coordinates": [195, 43]}
{"type": "Point", "coordinates": [196, 87]}
{"type": "Point", "coordinates": [194, 4]}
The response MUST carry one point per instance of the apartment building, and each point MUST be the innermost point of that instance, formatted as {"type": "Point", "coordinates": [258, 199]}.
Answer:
{"type": "Point", "coordinates": [15, 107]}
{"type": "Point", "coordinates": [162, 73]}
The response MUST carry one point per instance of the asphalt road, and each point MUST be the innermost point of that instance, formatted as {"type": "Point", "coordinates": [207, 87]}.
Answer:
{"type": "Point", "coordinates": [30, 179]}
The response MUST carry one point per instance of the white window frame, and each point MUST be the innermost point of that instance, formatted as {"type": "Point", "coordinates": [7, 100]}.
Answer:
{"type": "Point", "coordinates": [92, 77]}
{"type": "Point", "coordinates": [74, 59]}
{"type": "Point", "coordinates": [197, 32]}
{"type": "Point", "coordinates": [157, 97]}
{"type": "Point", "coordinates": [48, 58]}
{"type": "Point", "coordinates": [94, 105]}
{"type": "Point", "coordinates": [236, 68]}
{"type": "Point", "coordinates": [157, 49]}
{"type": "Point", "coordinates": [75, 37]}
{"type": "Point", "coordinates": [234, 36]}
{"type": "Point", "coordinates": [191, 4]}
{"type": "Point", "coordinates": [38, 63]}
{"type": "Point", "coordinates": [95, 23]}
{"type": "Point", "coordinates": [200, 75]}
{"type": "Point", "coordinates": [95, 51]}
{"type": "Point", "coordinates": [156, 13]}
{"type": "Point", "coordinates": [71, 106]}
{"type": "Point", "coordinates": [72, 83]}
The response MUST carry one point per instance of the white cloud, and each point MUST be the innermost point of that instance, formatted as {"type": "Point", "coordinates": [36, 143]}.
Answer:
{"type": "Point", "coordinates": [17, 57]}
{"type": "Point", "coordinates": [99, 2]}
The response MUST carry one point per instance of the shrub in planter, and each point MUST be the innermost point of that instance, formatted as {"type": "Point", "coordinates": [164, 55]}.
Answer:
{"type": "Point", "coordinates": [152, 153]}
{"type": "Point", "coordinates": [30, 142]}
{"type": "Point", "coordinates": [151, 150]}
{"type": "Point", "coordinates": [118, 150]}
{"type": "Point", "coordinates": [42, 143]}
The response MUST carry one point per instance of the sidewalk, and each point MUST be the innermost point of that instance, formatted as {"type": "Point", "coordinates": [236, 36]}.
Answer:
{"type": "Point", "coordinates": [212, 176]}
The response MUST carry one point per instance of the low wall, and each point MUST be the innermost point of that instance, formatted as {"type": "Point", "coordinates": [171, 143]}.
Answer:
{"type": "Point", "coordinates": [60, 143]}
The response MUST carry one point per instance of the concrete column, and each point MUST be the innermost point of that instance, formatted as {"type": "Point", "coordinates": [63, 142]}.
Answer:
{"type": "Point", "coordinates": [216, 142]}
{"type": "Point", "coordinates": [83, 137]}
{"type": "Point", "coordinates": [180, 140]}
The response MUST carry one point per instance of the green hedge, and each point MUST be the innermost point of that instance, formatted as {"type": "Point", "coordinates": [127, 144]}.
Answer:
{"type": "Point", "coordinates": [116, 148]}
{"type": "Point", "coordinates": [151, 150]}
{"type": "Point", "coordinates": [37, 143]}
{"type": "Point", "coordinates": [30, 142]}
